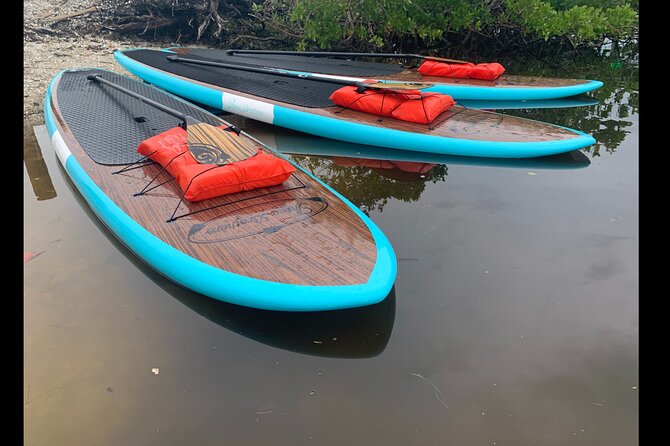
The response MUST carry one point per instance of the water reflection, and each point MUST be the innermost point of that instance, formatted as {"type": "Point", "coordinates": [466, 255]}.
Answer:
{"type": "Point", "coordinates": [370, 183]}
{"type": "Point", "coordinates": [608, 121]}
{"type": "Point", "coordinates": [38, 173]}
{"type": "Point", "coordinates": [353, 333]}
{"type": "Point", "coordinates": [405, 171]}
{"type": "Point", "coordinates": [370, 176]}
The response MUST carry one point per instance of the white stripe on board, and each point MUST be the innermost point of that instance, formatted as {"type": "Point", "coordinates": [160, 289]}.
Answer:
{"type": "Point", "coordinates": [60, 148]}
{"type": "Point", "coordinates": [250, 108]}
{"type": "Point", "coordinates": [343, 78]}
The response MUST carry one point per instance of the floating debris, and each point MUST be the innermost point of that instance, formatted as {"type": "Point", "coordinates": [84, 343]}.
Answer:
{"type": "Point", "coordinates": [28, 256]}
{"type": "Point", "coordinates": [155, 370]}
{"type": "Point", "coordinates": [438, 393]}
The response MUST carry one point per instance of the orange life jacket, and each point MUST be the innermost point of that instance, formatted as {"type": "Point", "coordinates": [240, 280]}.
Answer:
{"type": "Point", "coordinates": [405, 105]}
{"type": "Point", "coordinates": [204, 181]}
{"type": "Point", "coordinates": [483, 71]}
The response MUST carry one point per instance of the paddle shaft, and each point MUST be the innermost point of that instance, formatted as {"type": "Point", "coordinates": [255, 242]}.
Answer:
{"type": "Point", "coordinates": [362, 86]}
{"type": "Point", "coordinates": [158, 105]}
{"type": "Point", "coordinates": [274, 72]}
{"type": "Point", "coordinates": [204, 141]}
{"type": "Point", "coordinates": [344, 54]}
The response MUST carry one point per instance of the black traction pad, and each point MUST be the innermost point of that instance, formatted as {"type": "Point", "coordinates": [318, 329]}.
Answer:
{"type": "Point", "coordinates": [308, 64]}
{"type": "Point", "coordinates": [302, 92]}
{"type": "Point", "coordinates": [109, 124]}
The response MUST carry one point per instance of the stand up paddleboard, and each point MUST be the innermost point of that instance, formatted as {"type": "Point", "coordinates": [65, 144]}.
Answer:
{"type": "Point", "coordinates": [296, 246]}
{"type": "Point", "coordinates": [507, 87]}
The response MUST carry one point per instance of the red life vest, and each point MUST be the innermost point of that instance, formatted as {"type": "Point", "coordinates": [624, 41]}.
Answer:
{"type": "Point", "coordinates": [483, 71]}
{"type": "Point", "coordinates": [405, 105]}
{"type": "Point", "coordinates": [204, 181]}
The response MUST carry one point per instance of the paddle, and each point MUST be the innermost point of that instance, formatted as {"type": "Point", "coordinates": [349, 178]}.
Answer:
{"type": "Point", "coordinates": [314, 77]}
{"type": "Point", "coordinates": [337, 54]}
{"type": "Point", "coordinates": [207, 144]}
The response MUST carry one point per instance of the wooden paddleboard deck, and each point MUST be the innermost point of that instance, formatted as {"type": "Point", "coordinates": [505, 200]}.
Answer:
{"type": "Point", "coordinates": [507, 87]}
{"type": "Point", "coordinates": [302, 104]}
{"type": "Point", "coordinates": [298, 246]}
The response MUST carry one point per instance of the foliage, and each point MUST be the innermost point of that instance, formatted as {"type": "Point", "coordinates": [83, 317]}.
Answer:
{"type": "Point", "coordinates": [562, 5]}
{"type": "Point", "coordinates": [394, 24]}
{"type": "Point", "coordinates": [578, 24]}
{"type": "Point", "coordinates": [389, 25]}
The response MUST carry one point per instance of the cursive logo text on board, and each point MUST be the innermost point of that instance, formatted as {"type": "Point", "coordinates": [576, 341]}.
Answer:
{"type": "Point", "coordinates": [261, 218]}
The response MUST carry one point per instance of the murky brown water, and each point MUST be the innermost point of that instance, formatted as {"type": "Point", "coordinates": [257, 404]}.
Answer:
{"type": "Point", "coordinates": [514, 319]}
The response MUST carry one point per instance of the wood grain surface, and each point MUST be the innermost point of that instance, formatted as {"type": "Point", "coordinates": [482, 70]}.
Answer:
{"type": "Point", "coordinates": [298, 232]}
{"type": "Point", "coordinates": [212, 145]}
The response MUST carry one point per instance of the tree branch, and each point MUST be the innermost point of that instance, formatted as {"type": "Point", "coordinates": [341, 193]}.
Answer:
{"type": "Point", "coordinates": [71, 15]}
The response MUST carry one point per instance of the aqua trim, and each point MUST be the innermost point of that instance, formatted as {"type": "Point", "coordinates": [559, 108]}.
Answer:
{"type": "Point", "coordinates": [472, 92]}
{"type": "Point", "coordinates": [190, 90]}
{"type": "Point", "coordinates": [48, 116]}
{"type": "Point", "coordinates": [305, 145]}
{"type": "Point", "coordinates": [568, 102]}
{"type": "Point", "coordinates": [397, 139]}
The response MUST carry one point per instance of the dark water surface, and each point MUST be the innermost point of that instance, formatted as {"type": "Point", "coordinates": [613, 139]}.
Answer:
{"type": "Point", "coordinates": [514, 319]}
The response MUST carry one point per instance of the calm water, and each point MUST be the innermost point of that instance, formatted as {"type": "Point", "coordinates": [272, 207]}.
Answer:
{"type": "Point", "coordinates": [514, 318]}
